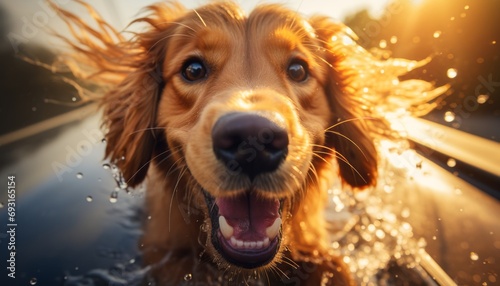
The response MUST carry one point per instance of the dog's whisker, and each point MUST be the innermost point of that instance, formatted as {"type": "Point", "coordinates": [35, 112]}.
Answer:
{"type": "Point", "coordinates": [201, 18]}
{"type": "Point", "coordinates": [147, 164]}
{"type": "Point", "coordinates": [294, 177]}
{"type": "Point", "coordinates": [313, 173]}
{"type": "Point", "coordinates": [349, 120]}
{"type": "Point", "coordinates": [176, 165]}
{"type": "Point", "coordinates": [165, 38]}
{"type": "Point", "coordinates": [331, 151]}
{"type": "Point", "coordinates": [173, 196]}
{"type": "Point", "coordinates": [278, 271]}
{"type": "Point", "coordinates": [341, 158]}
{"type": "Point", "coordinates": [348, 139]}
{"type": "Point", "coordinates": [145, 129]}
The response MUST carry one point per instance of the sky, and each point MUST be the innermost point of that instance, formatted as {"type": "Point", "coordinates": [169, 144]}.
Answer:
{"type": "Point", "coordinates": [121, 12]}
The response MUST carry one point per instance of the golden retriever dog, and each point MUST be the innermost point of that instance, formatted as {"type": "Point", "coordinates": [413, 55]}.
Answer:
{"type": "Point", "coordinates": [239, 124]}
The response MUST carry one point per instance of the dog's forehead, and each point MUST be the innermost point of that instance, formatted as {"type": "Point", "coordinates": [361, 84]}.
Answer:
{"type": "Point", "coordinates": [223, 36]}
{"type": "Point", "coordinates": [273, 24]}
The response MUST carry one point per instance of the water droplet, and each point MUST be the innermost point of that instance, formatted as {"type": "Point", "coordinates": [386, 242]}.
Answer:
{"type": "Point", "coordinates": [493, 42]}
{"type": "Point", "coordinates": [103, 140]}
{"type": "Point", "coordinates": [452, 73]}
{"type": "Point", "coordinates": [421, 243]}
{"type": "Point", "coordinates": [79, 175]}
{"type": "Point", "coordinates": [482, 98]}
{"type": "Point", "coordinates": [188, 277]}
{"type": "Point", "coordinates": [463, 15]}
{"type": "Point", "coordinates": [492, 278]}
{"type": "Point", "coordinates": [114, 169]}
{"type": "Point", "coordinates": [451, 162]}
{"type": "Point", "coordinates": [434, 237]}
{"type": "Point", "coordinates": [437, 34]}
{"type": "Point", "coordinates": [466, 7]}
{"type": "Point", "coordinates": [114, 197]}
{"type": "Point", "coordinates": [106, 166]}
{"type": "Point", "coordinates": [458, 192]}
{"type": "Point", "coordinates": [33, 108]}
{"type": "Point", "coordinates": [474, 256]}
{"type": "Point", "coordinates": [405, 213]}
{"type": "Point", "coordinates": [380, 234]}
{"type": "Point", "coordinates": [393, 39]}
{"type": "Point", "coordinates": [479, 60]}
{"type": "Point", "coordinates": [449, 116]}
{"type": "Point", "coordinates": [89, 199]}
{"type": "Point", "coordinates": [132, 261]}
{"type": "Point", "coordinates": [382, 44]}
{"type": "Point", "coordinates": [1, 205]}
{"type": "Point", "coordinates": [33, 281]}
{"type": "Point", "coordinates": [416, 40]}
{"type": "Point", "coordinates": [73, 99]}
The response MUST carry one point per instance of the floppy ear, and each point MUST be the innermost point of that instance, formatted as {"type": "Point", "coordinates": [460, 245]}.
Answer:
{"type": "Point", "coordinates": [130, 71]}
{"type": "Point", "coordinates": [130, 117]}
{"type": "Point", "coordinates": [130, 108]}
{"type": "Point", "coordinates": [349, 133]}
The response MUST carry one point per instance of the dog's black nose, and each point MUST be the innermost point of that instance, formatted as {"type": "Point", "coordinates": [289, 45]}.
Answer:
{"type": "Point", "coordinates": [249, 143]}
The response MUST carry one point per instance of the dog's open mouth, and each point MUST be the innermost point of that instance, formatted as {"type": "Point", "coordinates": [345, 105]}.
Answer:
{"type": "Point", "coordinates": [246, 228]}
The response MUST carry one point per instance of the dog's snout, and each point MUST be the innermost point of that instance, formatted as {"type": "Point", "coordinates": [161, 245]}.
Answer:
{"type": "Point", "coordinates": [249, 143]}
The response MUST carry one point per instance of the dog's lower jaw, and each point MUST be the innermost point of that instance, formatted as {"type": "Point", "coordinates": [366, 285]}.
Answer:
{"type": "Point", "coordinates": [245, 231]}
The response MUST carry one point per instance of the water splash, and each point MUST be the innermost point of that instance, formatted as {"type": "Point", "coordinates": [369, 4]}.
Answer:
{"type": "Point", "coordinates": [474, 256]}
{"type": "Point", "coordinates": [371, 233]}
{"type": "Point", "coordinates": [482, 98]}
{"type": "Point", "coordinates": [451, 162]}
{"type": "Point", "coordinates": [449, 116]}
{"type": "Point", "coordinates": [113, 198]}
{"type": "Point", "coordinates": [452, 73]}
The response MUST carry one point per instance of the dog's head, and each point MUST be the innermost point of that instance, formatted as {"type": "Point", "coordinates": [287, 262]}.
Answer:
{"type": "Point", "coordinates": [247, 110]}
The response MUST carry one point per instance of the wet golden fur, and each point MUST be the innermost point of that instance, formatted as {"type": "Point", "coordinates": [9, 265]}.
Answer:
{"type": "Point", "coordinates": [158, 126]}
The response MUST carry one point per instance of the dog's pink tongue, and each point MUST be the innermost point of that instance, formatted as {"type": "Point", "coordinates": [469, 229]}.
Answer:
{"type": "Point", "coordinates": [249, 215]}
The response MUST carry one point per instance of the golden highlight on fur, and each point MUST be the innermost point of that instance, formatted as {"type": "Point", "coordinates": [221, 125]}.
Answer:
{"type": "Point", "coordinates": [158, 125]}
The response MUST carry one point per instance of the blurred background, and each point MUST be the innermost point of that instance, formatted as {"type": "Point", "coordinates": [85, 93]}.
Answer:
{"type": "Point", "coordinates": [78, 224]}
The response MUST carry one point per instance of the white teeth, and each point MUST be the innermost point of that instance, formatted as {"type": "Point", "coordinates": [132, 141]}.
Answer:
{"type": "Point", "coordinates": [265, 242]}
{"type": "Point", "coordinates": [226, 230]}
{"type": "Point", "coordinates": [240, 244]}
{"type": "Point", "coordinates": [274, 229]}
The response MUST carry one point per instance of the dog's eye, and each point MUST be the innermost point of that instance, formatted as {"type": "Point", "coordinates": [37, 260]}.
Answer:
{"type": "Point", "coordinates": [297, 71]}
{"type": "Point", "coordinates": [194, 70]}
